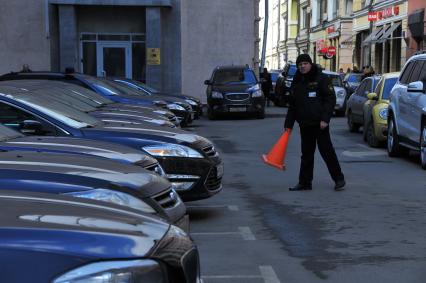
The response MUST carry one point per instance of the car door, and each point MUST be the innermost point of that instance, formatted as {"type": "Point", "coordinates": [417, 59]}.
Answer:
{"type": "Point", "coordinates": [369, 104]}
{"type": "Point", "coordinates": [399, 98]}
{"type": "Point", "coordinates": [416, 102]}
{"type": "Point", "coordinates": [361, 98]}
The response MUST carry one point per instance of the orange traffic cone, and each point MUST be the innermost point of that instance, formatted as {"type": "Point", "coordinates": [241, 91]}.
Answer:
{"type": "Point", "coordinates": [276, 156]}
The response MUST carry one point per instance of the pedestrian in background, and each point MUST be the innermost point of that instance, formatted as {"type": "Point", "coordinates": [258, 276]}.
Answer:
{"type": "Point", "coordinates": [266, 84]}
{"type": "Point", "coordinates": [312, 100]}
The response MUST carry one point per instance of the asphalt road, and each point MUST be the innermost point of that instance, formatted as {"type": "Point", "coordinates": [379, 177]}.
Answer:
{"type": "Point", "coordinates": [256, 230]}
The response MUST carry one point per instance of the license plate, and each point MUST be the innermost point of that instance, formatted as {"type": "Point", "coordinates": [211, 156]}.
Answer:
{"type": "Point", "coordinates": [237, 109]}
{"type": "Point", "coordinates": [219, 170]}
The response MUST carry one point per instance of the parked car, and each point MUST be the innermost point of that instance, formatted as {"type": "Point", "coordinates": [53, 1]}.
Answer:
{"type": "Point", "coordinates": [352, 81]}
{"type": "Point", "coordinates": [283, 84]}
{"type": "Point", "coordinates": [341, 94]}
{"type": "Point", "coordinates": [190, 161]}
{"type": "Point", "coordinates": [14, 140]}
{"type": "Point", "coordinates": [376, 110]}
{"type": "Point", "coordinates": [407, 110]}
{"type": "Point", "coordinates": [97, 85]}
{"type": "Point", "coordinates": [61, 239]}
{"type": "Point", "coordinates": [355, 104]}
{"type": "Point", "coordinates": [274, 77]}
{"type": "Point", "coordinates": [53, 90]}
{"type": "Point", "coordinates": [234, 89]}
{"type": "Point", "coordinates": [94, 178]}
{"type": "Point", "coordinates": [195, 103]}
{"type": "Point", "coordinates": [182, 109]}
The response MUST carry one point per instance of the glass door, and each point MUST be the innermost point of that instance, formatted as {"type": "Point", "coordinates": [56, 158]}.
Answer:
{"type": "Point", "coordinates": [114, 59]}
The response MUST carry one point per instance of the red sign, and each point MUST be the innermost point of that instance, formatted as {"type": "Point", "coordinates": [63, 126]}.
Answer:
{"type": "Point", "coordinates": [321, 47]}
{"type": "Point", "coordinates": [330, 29]}
{"type": "Point", "coordinates": [372, 16]}
{"type": "Point", "coordinates": [331, 52]}
{"type": "Point", "coordinates": [396, 10]}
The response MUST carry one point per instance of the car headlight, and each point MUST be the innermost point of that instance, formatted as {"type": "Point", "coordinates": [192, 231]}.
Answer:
{"type": "Point", "coordinates": [341, 93]}
{"type": "Point", "coordinates": [255, 91]}
{"type": "Point", "coordinates": [174, 106]}
{"type": "Point", "coordinates": [288, 83]}
{"type": "Point", "coordinates": [174, 150]}
{"type": "Point", "coordinates": [383, 113]}
{"type": "Point", "coordinates": [115, 197]}
{"type": "Point", "coordinates": [216, 94]}
{"type": "Point", "coordinates": [115, 271]}
{"type": "Point", "coordinates": [191, 102]}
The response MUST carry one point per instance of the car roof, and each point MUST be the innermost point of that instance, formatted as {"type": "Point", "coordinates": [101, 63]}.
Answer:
{"type": "Point", "coordinates": [232, 67]}
{"type": "Point", "coordinates": [390, 75]}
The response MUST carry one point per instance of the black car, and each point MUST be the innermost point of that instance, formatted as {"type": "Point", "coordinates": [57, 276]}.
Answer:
{"type": "Point", "coordinates": [234, 89]}
{"type": "Point", "coordinates": [58, 239]}
{"type": "Point", "coordinates": [283, 84]}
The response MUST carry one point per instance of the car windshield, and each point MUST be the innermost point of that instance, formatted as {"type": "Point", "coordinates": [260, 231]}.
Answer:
{"type": "Point", "coordinates": [335, 80]}
{"type": "Point", "coordinates": [102, 86]}
{"type": "Point", "coordinates": [353, 78]}
{"type": "Point", "coordinates": [64, 113]}
{"type": "Point", "coordinates": [292, 70]}
{"type": "Point", "coordinates": [67, 97]}
{"type": "Point", "coordinates": [144, 86]}
{"type": "Point", "coordinates": [234, 76]}
{"type": "Point", "coordinates": [389, 83]}
{"type": "Point", "coordinates": [8, 134]}
{"type": "Point", "coordinates": [88, 94]}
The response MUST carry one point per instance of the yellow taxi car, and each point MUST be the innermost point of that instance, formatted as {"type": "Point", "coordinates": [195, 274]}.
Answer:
{"type": "Point", "coordinates": [375, 110]}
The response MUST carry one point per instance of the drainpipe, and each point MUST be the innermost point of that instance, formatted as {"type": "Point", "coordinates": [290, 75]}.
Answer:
{"type": "Point", "coordinates": [265, 35]}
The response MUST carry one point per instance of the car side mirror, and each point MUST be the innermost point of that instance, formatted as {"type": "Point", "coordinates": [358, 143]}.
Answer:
{"type": "Point", "coordinates": [31, 127]}
{"type": "Point", "coordinates": [415, 87]}
{"type": "Point", "coordinates": [207, 82]}
{"type": "Point", "coordinates": [372, 96]}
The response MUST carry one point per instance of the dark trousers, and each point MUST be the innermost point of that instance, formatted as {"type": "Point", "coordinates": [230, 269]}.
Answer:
{"type": "Point", "coordinates": [311, 136]}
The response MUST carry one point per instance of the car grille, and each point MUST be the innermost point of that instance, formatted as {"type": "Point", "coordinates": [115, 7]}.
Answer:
{"type": "Point", "coordinates": [212, 182]}
{"type": "Point", "coordinates": [210, 151]}
{"type": "Point", "coordinates": [237, 96]}
{"type": "Point", "coordinates": [166, 199]}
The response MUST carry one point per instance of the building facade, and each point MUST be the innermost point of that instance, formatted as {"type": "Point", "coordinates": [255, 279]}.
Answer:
{"type": "Point", "coordinates": [416, 34]}
{"type": "Point", "coordinates": [172, 45]}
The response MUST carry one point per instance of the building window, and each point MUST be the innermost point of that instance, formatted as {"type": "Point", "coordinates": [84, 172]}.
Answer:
{"type": "Point", "coordinates": [348, 10]}
{"type": "Point", "coordinates": [335, 8]}
{"type": "Point", "coordinates": [304, 18]}
{"type": "Point", "coordinates": [323, 11]}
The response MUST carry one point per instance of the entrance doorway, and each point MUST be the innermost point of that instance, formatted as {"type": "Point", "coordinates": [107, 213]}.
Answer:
{"type": "Point", "coordinates": [114, 59]}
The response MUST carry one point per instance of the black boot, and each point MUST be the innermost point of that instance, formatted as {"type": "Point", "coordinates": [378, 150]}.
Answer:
{"type": "Point", "coordinates": [340, 185]}
{"type": "Point", "coordinates": [301, 187]}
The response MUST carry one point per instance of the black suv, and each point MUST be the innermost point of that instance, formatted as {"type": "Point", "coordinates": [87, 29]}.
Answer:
{"type": "Point", "coordinates": [282, 87]}
{"type": "Point", "coordinates": [234, 89]}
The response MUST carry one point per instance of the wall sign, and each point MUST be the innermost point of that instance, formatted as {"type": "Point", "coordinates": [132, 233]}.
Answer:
{"type": "Point", "coordinates": [153, 56]}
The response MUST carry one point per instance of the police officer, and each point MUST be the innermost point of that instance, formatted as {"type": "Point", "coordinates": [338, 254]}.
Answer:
{"type": "Point", "coordinates": [311, 104]}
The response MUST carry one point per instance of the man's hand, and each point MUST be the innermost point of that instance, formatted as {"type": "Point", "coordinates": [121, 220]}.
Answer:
{"type": "Point", "coordinates": [323, 125]}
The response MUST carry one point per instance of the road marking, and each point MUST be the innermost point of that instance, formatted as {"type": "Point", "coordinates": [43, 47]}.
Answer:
{"type": "Point", "coordinates": [247, 234]}
{"type": "Point", "coordinates": [361, 154]}
{"type": "Point", "coordinates": [268, 274]}
{"type": "Point", "coordinates": [230, 207]}
{"type": "Point", "coordinates": [244, 232]}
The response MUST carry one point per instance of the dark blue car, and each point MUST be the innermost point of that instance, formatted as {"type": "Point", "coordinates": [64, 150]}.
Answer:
{"type": "Point", "coordinates": [58, 239]}
{"type": "Point", "coordinates": [191, 162]}
{"type": "Point", "coordinates": [91, 177]}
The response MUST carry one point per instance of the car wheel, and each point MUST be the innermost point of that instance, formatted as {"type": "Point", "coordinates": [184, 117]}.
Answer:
{"type": "Point", "coordinates": [261, 115]}
{"type": "Point", "coordinates": [210, 114]}
{"type": "Point", "coordinates": [423, 148]}
{"type": "Point", "coordinates": [371, 136]}
{"type": "Point", "coordinates": [353, 127]}
{"type": "Point", "coordinates": [393, 147]}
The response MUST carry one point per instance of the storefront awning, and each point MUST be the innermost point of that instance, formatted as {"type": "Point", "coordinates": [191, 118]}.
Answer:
{"type": "Point", "coordinates": [373, 36]}
{"type": "Point", "coordinates": [388, 32]}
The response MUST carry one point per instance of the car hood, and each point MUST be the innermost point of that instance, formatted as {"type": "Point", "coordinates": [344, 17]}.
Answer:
{"type": "Point", "coordinates": [127, 116]}
{"type": "Point", "coordinates": [129, 176]}
{"type": "Point", "coordinates": [156, 134]}
{"type": "Point", "coordinates": [179, 95]}
{"type": "Point", "coordinates": [232, 88]}
{"type": "Point", "coordinates": [80, 229]}
{"type": "Point", "coordinates": [79, 146]}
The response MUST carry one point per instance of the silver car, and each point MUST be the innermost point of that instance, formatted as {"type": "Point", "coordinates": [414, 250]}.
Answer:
{"type": "Point", "coordinates": [339, 89]}
{"type": "Point", "coordinates": [407, 110]}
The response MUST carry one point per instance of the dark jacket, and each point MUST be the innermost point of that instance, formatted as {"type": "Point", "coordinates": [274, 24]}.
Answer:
{"type": "Point", "coordinates": [312, 99]}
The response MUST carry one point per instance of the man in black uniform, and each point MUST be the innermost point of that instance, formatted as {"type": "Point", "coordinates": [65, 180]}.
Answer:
{"type": "Point", "coordinates": [311, 104]}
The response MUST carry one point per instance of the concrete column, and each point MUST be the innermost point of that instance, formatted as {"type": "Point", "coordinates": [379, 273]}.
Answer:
{"type": "Point", "coordinates": [68, 37]}
{"type": "Point", "coordinates": [153, 40]}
